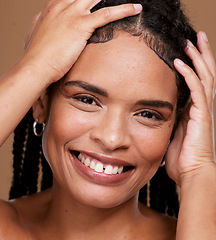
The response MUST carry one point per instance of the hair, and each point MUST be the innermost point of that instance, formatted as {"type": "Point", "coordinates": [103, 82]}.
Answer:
{"type": "Point", "coordinates": [165, 29]}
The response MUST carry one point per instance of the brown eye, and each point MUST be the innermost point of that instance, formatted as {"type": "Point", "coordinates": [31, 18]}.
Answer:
{"type": "Point", "coordinates": [86, 100]}
{"type": "Point", "coordinates": [150, 115]}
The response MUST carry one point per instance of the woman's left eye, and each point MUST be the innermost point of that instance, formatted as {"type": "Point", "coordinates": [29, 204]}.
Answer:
{"type": "Point", "coordinates": [150, 115]}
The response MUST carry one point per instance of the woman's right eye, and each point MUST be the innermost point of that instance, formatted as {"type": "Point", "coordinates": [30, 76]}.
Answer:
{"type": "Point", "coordinates": [86, 100]}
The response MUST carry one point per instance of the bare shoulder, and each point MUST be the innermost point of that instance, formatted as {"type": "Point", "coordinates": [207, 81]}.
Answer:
{"type": "Point", "coordinates": [17, 215]}
{"type": "Point", "coordinates": [33, 206]}
{"type": "Point", "coordinates": [10, 223]}
{"type": "Point", "coordinates": [160, 226]}
{"type": "Point", "coordinates": [8, 212]}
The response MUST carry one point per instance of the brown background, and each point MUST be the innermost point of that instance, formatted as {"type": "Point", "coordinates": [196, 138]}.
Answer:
{"type": "Point", "coordinates": [15, 19]}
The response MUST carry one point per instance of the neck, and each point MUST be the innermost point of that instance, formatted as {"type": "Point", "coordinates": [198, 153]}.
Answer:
{"type": "Point", "coordinates": [68, 217]}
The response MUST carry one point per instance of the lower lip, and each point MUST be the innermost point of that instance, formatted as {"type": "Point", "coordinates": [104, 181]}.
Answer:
{"type": "Point", "coordinates": [100, 178]}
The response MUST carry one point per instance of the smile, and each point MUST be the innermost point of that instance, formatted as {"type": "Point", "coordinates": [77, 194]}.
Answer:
{"type": "Point", "coordinates": [100, 167]}
{"type": "Point", "coordinates": [103, 165]}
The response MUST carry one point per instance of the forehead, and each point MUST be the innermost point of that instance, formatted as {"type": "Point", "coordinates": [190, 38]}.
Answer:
{"type": "Point", "coordinates": [126, 64]}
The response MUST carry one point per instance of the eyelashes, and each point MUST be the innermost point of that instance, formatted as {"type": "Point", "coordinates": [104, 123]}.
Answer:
{"type": "Point", "coordinates": [91, 103]}
{"type": "Point", "coordinates": [86, 99]}
{"type": "Point", "coordinates": [149, 114]}
{"type": "Point", "coordinates": [85, 103]}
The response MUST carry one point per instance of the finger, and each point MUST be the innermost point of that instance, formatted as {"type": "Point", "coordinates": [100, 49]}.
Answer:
{"type": "Point", "coordinates": [205, 50]}
{"type": "Point", "coordinates": [55, 6]}
{"type": "Point", "coordinates": [87, 5]}
{"type": "Point", "coordinates": [174, 150]}
{"type": "Point", "coordinates": [205, 76]}
{"type": "Point", "coordinates": [47, 8]}
{"type": "Point", "coordinates": [109, 14]}
{"type": "Point", "coordinates": [48, 5]}
{"type": "Point", "coordinates": [197, 89]}
{"type": "Point", "coordinates": [35, 21]}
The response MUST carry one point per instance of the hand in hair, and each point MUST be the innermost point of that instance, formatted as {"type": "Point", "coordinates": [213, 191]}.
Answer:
{"type": "Point", "coordinates": [57, 37]}
{"type": "Point", "coordinates": [190, 157]}
{"type": "Point", "coordinates": [192, 147]}
{"type": "Point", "coordinates": [60, 32]}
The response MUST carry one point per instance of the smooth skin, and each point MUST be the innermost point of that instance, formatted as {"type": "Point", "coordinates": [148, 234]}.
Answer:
{"type": "Point", "coordinates": [190, 156]}
{"type": "Point", "coordinates": [113, 123]}
{"type": "Point", "coordinates": [118, 124]}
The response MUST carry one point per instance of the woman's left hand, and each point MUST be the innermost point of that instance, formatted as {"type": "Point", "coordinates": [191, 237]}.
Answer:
{"type": "Point", "coordinates": [192, 148]}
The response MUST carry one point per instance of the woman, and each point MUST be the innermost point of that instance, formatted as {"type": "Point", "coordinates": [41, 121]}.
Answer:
{"type": "Point", "coordinates": [111, 119]}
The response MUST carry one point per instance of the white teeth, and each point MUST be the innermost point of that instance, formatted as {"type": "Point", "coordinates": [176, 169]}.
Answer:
{"type": "Point", "coordinates": [115, 170]}
{"type": "Point", "coordinates": [81, 158]}
{"type": "Point", "coordinates": [92, 165]}
{"type": "Point", "coordinates": [108, 169]}
{"type": "Point", "coordinates": [87, 162]}
{"type": "Point", "coordinates": [99, 167]}
{"type": "Point", "coordinates": [120, 170]}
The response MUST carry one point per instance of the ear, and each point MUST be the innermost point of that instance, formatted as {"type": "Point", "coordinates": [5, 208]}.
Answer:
{"type": "Point", "coordinates": [40, 108]}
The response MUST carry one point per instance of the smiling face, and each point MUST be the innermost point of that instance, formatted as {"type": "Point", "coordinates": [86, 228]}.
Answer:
{"type": "Point", "coordinates": [109, 126]}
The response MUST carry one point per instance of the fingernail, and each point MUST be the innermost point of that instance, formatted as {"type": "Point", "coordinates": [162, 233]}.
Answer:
{"type": "Point", "coordinates": [137, 7]}
{"type": "Point", "coordinates": [179, 62]}
{"type": "Point", "coordinates": [205, 37]}
{"type": "Point", "coordinates": [189, 44]}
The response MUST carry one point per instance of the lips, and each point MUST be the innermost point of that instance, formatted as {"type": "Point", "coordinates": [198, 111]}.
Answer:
{"type": "Point", "coordinates": [102, 168]}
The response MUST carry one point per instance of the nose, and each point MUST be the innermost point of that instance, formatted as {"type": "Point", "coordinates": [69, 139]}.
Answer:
{"type": "Point", "coordinates": [112, 131]}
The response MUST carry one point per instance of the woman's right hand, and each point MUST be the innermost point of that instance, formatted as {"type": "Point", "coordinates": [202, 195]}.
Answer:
{"type": "Point", "coordinates": [60, 31]}
{"type": "Point", "coordinates": [57, 36]}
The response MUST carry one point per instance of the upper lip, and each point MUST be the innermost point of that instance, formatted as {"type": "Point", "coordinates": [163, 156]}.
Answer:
{"type": "Point", "coordinates": [105, 159]}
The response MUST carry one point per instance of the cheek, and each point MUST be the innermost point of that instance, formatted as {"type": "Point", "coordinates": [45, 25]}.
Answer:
{"type": "Point", "coordinates": [152, 144]}
{"type": "Point", "coordinates": [65, 124]}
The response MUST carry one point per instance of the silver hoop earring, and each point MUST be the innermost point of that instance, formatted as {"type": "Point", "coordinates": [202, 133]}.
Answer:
{"type": "Point", "coordinates": [163, 164]}
{"type": "Point", "coordinates": [37, 125]}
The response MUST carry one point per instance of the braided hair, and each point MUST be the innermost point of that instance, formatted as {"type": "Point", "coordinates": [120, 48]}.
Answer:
{"type": "Point", "coordinates": [165, 29]}
{"type": "Point", "coordinates": [29, 163]}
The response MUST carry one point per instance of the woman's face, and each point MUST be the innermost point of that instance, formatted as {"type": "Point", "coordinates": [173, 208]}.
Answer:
{"type": "Point", "coordinates": [115, 112]}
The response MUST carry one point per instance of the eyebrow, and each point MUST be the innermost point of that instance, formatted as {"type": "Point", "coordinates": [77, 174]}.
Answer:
{"type": "Point", "coordinates": [92, 88]}
{"type": "Point", "coordinates": [89, 87]}
{"type": "Point", "coordinates": [155, 103]}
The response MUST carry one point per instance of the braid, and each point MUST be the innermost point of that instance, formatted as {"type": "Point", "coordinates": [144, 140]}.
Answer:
{"type": "Point", "coordinates": [172, 198]}
{"type": "Point", "coordinates": [31, 161]}
{"type": "Point", "coordinates": [27, 160]}
{"type": "Point", "coordinates": [157, 201]}
{"type": "Point", "coordinates": [163, 194]}
{"type": "Point", "coordinates": [18, 152]}
{"type": "Point", "coordinates": [143, 194]}
{"type": "Point", "coordinates": [47, 179]}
